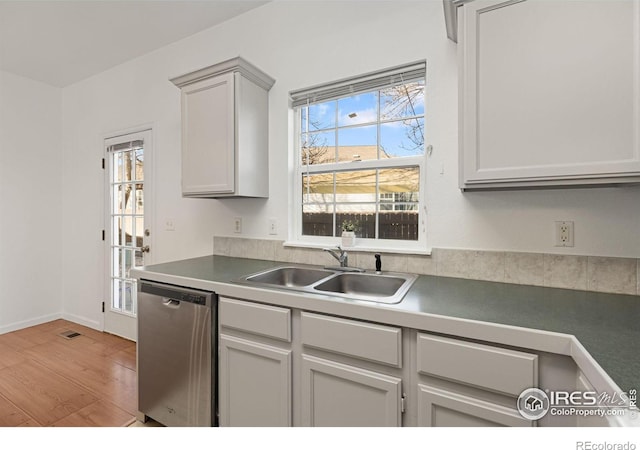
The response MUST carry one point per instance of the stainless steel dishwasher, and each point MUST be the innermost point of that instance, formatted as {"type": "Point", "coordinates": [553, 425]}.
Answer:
{"type": "Point", "coordinates": [176, 355]}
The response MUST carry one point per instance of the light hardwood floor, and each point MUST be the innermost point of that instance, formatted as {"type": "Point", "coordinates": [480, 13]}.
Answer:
{"type": "Point", "coordinates": [47, 380]}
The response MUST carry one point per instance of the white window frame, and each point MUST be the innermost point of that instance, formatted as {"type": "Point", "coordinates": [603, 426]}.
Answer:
{"type": "Point", "coordinates": [340, 89]}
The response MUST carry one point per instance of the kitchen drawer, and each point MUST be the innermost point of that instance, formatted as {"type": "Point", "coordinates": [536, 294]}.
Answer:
{"type": "Point", "coordinates": [494, 368]}
{"type": "Point", "coordinates": [264, 320]}
{"type": "Point", "coordinates": [372, 342]}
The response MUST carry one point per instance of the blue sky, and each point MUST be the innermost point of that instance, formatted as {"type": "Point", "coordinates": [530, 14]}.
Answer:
{"type": "Point", "coordinates": [362, 109]}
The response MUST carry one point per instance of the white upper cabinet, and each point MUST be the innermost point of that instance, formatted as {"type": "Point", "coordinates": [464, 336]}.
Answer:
{"type": "Point", "coordinates": [549, 93]}
{"type": "Point", "coordinates": [225, 111]}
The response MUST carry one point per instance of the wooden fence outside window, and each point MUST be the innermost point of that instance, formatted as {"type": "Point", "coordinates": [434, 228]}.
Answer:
{"type": "Point", "coordinates": [400, 225]}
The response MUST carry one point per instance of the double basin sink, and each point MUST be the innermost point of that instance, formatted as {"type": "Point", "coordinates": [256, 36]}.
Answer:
{"type": "Point", "coordinates": [387, 287]}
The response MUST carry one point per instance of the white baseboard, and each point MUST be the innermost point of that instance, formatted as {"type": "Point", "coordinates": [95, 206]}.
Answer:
{"type": "Point", "coordinates": [8, 328]}
{"type": "Point", "coordinates": [29, 323]}
{"type": "Point", "coordinates": [80, 320]}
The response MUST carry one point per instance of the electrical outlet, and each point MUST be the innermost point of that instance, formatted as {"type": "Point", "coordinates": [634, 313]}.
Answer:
{"type": "Point", "coordinates": [564, 234]}
{"type": "Point", "coordinates": [237, 225]}
{"type": "Point", "coordinates": [169, 225]}
{"type": "Point", "coordinates": [273, 226]}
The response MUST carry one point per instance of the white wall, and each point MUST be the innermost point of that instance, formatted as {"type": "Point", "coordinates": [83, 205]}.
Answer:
{"type": "Point", "coordinates": [30, 202]}
{"type": "Point", "coordinates": [301, 44]}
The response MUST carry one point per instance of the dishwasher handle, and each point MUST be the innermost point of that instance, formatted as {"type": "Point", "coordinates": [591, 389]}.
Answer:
{"type": "Point", "coordinates": [171, 303]}
{"type": "Point", "coordinates": [177, 293]}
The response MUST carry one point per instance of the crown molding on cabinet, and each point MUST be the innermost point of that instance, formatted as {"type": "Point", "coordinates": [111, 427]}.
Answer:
{"type": "Point", "coordinates": [237, 64]}
{"type": "Point", "coordinates": [451, 17]}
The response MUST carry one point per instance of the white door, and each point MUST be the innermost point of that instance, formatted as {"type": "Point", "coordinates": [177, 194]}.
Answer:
{"type": "Point", "coordinates": [128, 236]}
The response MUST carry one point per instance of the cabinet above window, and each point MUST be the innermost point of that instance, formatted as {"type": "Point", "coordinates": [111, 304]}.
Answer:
{"type": "Point", "coordinates": [549, 93]}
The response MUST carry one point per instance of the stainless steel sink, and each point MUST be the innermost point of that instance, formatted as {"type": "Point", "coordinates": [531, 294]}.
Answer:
{"type": "Point", "coordinates": [378, 286]}
{"type": "Point", "coordinates": [290, 276]}
{"type": "Point", "coordinates": [388, 287]}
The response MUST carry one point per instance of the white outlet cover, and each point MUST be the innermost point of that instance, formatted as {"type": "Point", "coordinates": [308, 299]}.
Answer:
{"type": "Point", "coordinates": [273, 226]}
{"type": "Point", "coordinates": [564, 233]}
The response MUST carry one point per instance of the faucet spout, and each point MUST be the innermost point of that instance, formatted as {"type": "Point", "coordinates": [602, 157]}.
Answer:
{"type": "Point", "coordinates": [342, 257]}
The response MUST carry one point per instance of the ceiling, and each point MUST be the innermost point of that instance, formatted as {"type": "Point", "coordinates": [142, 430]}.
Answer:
{"type": "Point", "coordinates": [60, 42]}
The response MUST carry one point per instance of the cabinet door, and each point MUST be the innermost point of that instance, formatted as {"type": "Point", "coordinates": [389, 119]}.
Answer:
{"type": "Point", "coordinates": [255, 384]}
{"type": "Point", "coordinates": [583, 385]}
{"type": "Point", "coordinates": [549, 92]}
{"type": "Point", "coordinates": [208, 141]}
{"type": "Point", "coordinates": [440, 408]}
{"type": "Point", "coordinates": [339, 395]}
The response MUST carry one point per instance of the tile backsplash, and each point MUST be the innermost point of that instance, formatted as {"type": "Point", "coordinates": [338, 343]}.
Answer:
{"type": "Point", "coordinates": [590, 273]}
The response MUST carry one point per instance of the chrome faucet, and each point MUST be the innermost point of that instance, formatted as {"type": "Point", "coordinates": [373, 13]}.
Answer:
{"type": "Point", "coordinates": [342, 258]}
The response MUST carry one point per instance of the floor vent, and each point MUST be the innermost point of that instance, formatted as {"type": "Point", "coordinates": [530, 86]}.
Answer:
{"type": "Point", "coordinates": [69, 334]}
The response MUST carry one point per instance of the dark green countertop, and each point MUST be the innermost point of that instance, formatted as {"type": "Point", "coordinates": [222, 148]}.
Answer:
{"type": "Point", "coordinates": [607, 325]}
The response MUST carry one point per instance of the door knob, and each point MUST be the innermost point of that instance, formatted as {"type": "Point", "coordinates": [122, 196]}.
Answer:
{"type": "Point", "coordinates": [145, 249]}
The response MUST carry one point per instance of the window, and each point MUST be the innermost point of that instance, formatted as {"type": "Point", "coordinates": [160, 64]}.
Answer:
{"type": "Point", "coordinates": [126, 212]}
{"type": "Point", "coordinates": [360, 158]}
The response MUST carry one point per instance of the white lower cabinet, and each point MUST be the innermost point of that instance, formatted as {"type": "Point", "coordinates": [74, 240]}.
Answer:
{"type": "Point", "coordinates": [468, 384]}
{"type": "Point", "coordinates": [583, 385]}
{"type": "Point", "coordinates": [351, 372]}
{"type": "Point", "coordinates": [443, 408]}
{"type": "Point", "coordinates": [284, 367]}
{"type": "Point", "coordinates": [255, 384]}
{"type": "Point", "coordinates": [254, 365]}
{"type": "Point", "coordinates": [335, 395]}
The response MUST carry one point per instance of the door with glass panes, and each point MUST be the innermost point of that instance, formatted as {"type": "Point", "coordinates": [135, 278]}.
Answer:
{"type": "Point", "coordinates": [128, 236]}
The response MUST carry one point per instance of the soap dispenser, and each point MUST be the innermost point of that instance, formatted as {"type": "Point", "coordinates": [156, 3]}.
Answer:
{"type": "Point", "coordinates": [378, 264]}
